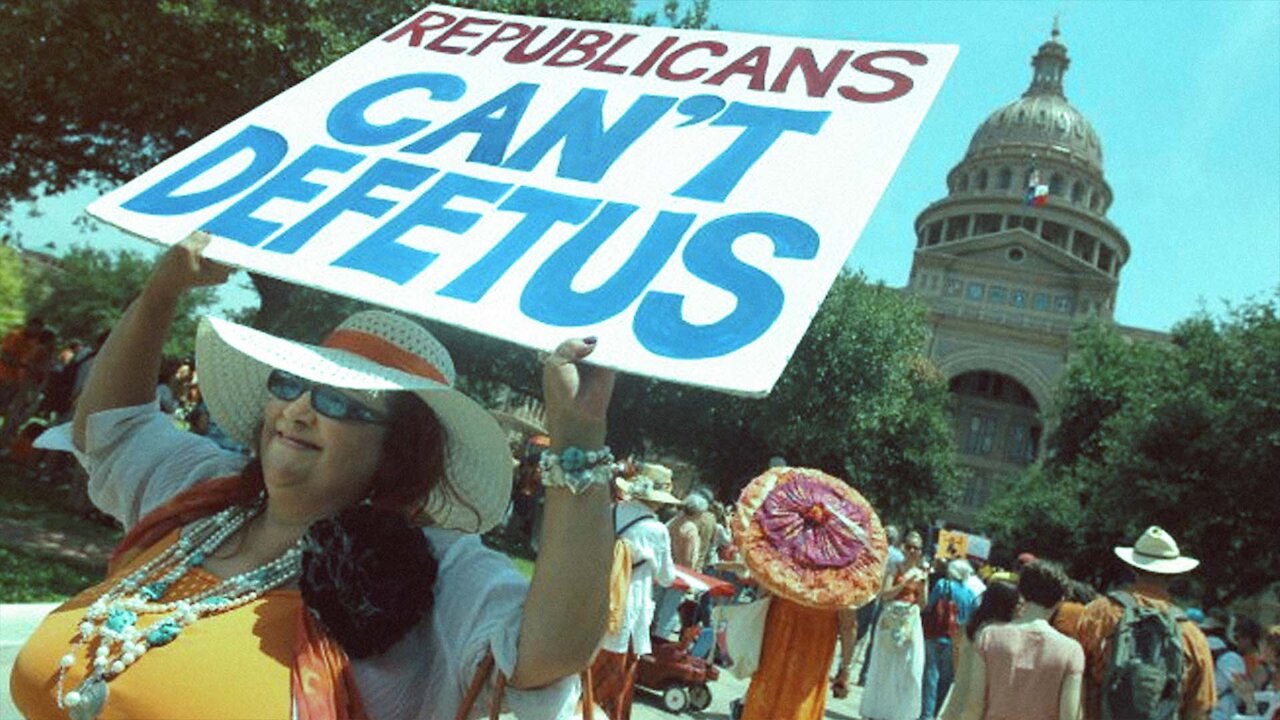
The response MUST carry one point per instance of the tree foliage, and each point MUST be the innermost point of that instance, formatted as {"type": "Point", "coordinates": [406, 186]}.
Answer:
{"type": "Point", "coordinates": [13, 304]}
{"type": "Point", "coordinates": [1184, 435]}
{"type": "Point", "coordinates": [91, 288]}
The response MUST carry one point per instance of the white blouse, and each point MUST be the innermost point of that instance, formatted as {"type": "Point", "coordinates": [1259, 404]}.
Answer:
{"type": "Point", "coordinates": [650, 562]}
{"type": "Point", "coordinates": [137, 460]}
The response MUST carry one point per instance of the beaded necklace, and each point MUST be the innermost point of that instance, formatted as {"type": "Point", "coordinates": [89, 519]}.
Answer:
{"type": "Point", "coordinates": [112, 620]}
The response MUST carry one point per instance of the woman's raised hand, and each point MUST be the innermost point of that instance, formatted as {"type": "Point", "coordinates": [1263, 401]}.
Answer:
{"type": "Point", "coordinates": [576, 395]}
{"type": "Point", "coordinates": [183, 266]}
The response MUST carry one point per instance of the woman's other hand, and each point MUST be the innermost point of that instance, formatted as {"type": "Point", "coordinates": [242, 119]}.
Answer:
{"type": "Point", "coordinates": [576, 396]}
{"type": "Point", "coordinates": [183, 266]}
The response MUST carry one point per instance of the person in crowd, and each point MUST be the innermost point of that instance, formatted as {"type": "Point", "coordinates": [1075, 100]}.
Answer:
{"type": "Point", "coordinates": [15, 347]}
{"type": "Point", "coordinates": [949, 608]}
{"type": "Point", "coordinates": [1228, 663]}
{"type": "Point", "coordinates": [847, 637]}
{"type": "Point", "coordinates": [998, 605]}
{"type": "Point", "coordinates": [1265, 679]}
{"type": "Point", "coordinates": [706, 523]}
{"type": "Point", "coordinates": [1029, 670]}
{"type": "Point", "coordinates": [683, 532]}
{"type": "Point", "coordinates": [894, 680]}
{"type": "Point", "coordinates": [1246, 633]}
{"type": "Point", "coordinates": [869, 614]}
{"type": "Point", "coordinates": [338, 573]}
{"type": "Point", "coordinates": [1067, 617]}
{"type": "Point", "coordinates": [975, 582]}
{"type": "Point", "coordinates": [649, 563]}
{"type": "Point", "coordinates": [790, 682]}
{"type": "Point", "coordinates": [165, 397]}
{"type": "Point", "coordinates": [36, 365]}
{"type": "Point", "coordinates": [1155, 560]}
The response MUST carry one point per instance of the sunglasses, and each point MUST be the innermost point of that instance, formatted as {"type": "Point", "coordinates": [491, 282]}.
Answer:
{"type": "Point", "coordinates": [328, 401]}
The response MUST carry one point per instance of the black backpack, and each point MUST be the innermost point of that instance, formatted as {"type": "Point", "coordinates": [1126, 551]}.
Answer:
{"type": "Point", "coordinates": [1144, 679]}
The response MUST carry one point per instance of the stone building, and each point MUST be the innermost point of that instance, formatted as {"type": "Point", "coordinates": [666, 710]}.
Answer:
{"type": "Point", "coordinates": [1007, 282]}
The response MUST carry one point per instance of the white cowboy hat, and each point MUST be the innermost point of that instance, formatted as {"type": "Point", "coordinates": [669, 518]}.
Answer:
{"type": "Point", "coordinates": [1156, 552]}
{"type": "Point", "coordinates": [371, 350]}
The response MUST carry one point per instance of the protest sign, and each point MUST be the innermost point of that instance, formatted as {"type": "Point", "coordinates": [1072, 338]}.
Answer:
{"type": "Point", "coordinates": [686, 196]}
{"type": "Point", "coordinates": [952, 544]}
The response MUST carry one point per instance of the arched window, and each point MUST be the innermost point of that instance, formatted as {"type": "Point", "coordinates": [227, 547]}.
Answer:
{"type": "Point", "coordinates": [982, 179]}
{"type": "Point", "coordinates": [1077, 192]}
{"type": "Point", "coordinates": [1005, 180]}
{"type": "Point", "coordinates": [1055, 184]}
{"type": "Point", "coordinates": [962, 182]}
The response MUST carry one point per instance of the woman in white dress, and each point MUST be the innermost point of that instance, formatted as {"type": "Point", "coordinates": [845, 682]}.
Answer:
{"type": "Point", "coordinates": [895, 670]}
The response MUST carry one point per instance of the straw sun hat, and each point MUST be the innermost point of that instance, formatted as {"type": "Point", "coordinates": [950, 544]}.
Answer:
{"type": "Point", "coordinates": [375, 351]}
{"type": "Point", "coordinates": [652, 485]}
{"type": "Point", "coordinates": [1157, 552]}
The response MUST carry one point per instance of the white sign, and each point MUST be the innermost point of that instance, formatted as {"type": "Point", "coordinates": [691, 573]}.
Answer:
{"type": "Point", "coordinates": [686, 196]}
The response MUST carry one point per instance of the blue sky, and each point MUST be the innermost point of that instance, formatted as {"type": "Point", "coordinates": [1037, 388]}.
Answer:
{"type": "Point", "coordinates": [1185, 96]}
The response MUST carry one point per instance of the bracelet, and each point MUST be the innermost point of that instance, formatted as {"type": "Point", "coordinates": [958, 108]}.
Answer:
{"type": "Point", "coordinates": [577, 469]}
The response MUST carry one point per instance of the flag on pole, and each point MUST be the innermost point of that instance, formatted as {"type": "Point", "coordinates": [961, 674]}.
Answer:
{"type": "Point", "coordinates": [1037, 192]}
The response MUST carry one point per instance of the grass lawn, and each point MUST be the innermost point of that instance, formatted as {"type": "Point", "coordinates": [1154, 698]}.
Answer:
{"type": "Point", "coordinates": [34, 578]}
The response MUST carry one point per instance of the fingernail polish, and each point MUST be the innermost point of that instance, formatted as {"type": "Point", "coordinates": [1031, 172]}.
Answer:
{"type": "Point", "coordinates": [589, 340]}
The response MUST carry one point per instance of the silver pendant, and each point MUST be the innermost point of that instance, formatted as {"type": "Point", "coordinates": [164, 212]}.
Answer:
{"type": "Point", "coordinates": [93, 697]}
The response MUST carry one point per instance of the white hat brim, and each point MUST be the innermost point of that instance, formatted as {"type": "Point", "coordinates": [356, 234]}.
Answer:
{"type": "Point", "coordinates": [658, 496]}
{"type": "Point", "coordinates": [1160, 566]}
{"type": "Point", "coordinates": [234, 361]}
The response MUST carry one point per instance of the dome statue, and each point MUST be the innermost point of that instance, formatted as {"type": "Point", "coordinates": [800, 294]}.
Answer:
{"type": "Point", "coordinates": [1042, 117]}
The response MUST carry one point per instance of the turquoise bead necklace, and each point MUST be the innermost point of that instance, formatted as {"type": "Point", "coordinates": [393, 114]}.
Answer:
{"type": "Point", "coordinates": [111, 623]}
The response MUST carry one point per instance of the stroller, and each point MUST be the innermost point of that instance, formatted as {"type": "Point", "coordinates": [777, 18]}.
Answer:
{"type": "Point", "coordinates": [672, 669]}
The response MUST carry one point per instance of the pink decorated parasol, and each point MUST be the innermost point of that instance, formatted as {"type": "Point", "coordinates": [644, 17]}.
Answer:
{"type": "Point", "coordinates": [809, 537]}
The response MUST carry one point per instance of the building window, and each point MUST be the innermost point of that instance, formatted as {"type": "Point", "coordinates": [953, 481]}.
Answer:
{"type": "Point", "coordinates": [1023, 439]}
{"type": "Point", "coordinates": [982, 179]}
{"type": "Point", "coordinates": [1105, 254]}
{"type": "Point", "coordinates": [1005, 179]}
{"type": "Point", "coordinates": [975, 291]}
{"type": "Point", "coordinates": [1077, 192]}
{"type": "Point", "coordinates": [957, 227]}
{"type": "Point", "coordinates": [1018, 298]}
{"type": "Point", "coordinates": [1041, 301]}
{"type": "Point", "coordinates": [1062, 304]}
{"type": "Point", "coordinates": [962, 182]}
{"type": "Point", "coordinates": [986, 223]}
{"type": "Point", "coordinates": [1082, 246]}
{"type": "Point", "coordinates": [954, 286]}
{"type": "Point", "coordinates": [1056, 185]}
{"type": "Point", "coordinates": [998, 295]}
{"type": "Point", "coordinates": [1054, 233]}
{"type": "Point", "coordinates": [1016, 254]}
{"type": "Point", "coordinates": [981, 434]}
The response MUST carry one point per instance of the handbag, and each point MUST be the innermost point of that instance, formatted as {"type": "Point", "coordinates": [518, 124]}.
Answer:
{"type": "Point", "coordinates": [500, 686]}
{"type": "Point", "coordinates": [744, 635]}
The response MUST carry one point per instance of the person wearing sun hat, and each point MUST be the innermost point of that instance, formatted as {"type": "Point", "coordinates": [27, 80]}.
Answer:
{"type": "Point", "coordinates": [649, 556]}
{"type": "Point", "coordinates": [336, 573]}
{"type": "Point", "coordinates": [1155, 560]}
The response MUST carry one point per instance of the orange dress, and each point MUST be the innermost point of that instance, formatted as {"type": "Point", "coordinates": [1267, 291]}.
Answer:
{"type": "Point", "coordinates": [791, 681]}
{"type": "Point", "coordinates": [231, 665]}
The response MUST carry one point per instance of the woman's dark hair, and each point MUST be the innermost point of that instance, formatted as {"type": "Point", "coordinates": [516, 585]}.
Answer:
{"type": "Point", "coordinates": [1246, 628]}
{"type": "Point", "coordinates": [1043, 583]}
{"type": "Point", "coordinates": [998, 605]}
{"type": "Point", "coordinates": [1081, 592]}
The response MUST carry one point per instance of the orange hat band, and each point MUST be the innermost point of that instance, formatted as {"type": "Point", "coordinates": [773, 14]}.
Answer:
{"type": "Point", "coordinates": [383, 352]}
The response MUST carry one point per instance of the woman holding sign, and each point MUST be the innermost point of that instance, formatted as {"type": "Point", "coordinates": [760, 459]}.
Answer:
{"type": "Point", "coordinates": [338, 572]}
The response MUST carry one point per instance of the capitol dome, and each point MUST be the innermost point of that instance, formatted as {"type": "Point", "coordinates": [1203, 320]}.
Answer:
{"type": "Point", "coordinates": [1042, 117]}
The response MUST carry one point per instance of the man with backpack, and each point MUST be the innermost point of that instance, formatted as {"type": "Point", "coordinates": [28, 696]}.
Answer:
{"type": "Point", "coordinates": [950, 604]}
{"type": "Point", "coordinates": [1144, 660]}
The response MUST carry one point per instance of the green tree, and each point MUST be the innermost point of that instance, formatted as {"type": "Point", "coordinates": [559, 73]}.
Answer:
{"type": "Point", "coordinates": [1184, 435]}
{"type": "Point", "coordinates": [97, 91]}
{"type": "Point", "coordinates": [857, 400]}
{"type": "Point", "coordinates": [13, 304]}
{"type": "Point", "coordinates": [90, 288]}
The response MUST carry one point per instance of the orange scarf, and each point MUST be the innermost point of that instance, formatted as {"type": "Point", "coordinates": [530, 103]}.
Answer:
{"type": "Point", "coordinates": [324, 685]}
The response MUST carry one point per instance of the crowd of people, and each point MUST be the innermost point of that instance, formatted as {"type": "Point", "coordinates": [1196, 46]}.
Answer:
{"type": "Point", "coordinates": [336, 570]}
{"type": "Point", "coordinates": [942, 642]}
